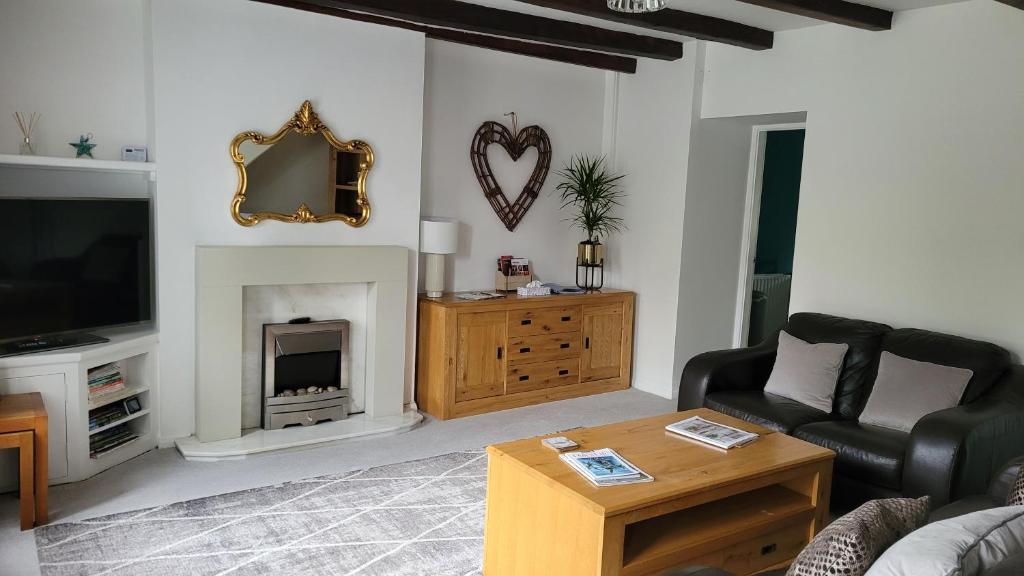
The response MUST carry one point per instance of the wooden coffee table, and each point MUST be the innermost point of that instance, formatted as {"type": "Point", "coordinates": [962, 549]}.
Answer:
{"type": "Point", "coordinates": [744, 510]}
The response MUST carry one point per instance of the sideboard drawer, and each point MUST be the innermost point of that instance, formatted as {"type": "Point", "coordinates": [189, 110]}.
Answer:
{"type": "Point", "coordinates": [543, 347]}
{"type": "Point", "coordinates": [539, 375]}
{"type": "Point", "coordinates": [532, 321]}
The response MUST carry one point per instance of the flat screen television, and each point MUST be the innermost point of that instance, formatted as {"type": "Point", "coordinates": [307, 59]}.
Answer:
{"type": "Point", "coordinates": [71, 266]}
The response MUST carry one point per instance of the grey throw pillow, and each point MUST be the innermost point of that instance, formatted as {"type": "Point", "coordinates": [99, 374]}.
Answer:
{"type": "Point", "coordinates": [968, 545]}
{"type": "Point", "coordinates": [906, 390]}
{"type": "Point", "coordinates": [851, 544]}
{"type": "Point", "coordinates": [805, 372]}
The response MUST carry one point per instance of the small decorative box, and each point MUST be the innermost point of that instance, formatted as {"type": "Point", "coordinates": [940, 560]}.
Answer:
{"type": "Point", "coordinates": [510, 283]}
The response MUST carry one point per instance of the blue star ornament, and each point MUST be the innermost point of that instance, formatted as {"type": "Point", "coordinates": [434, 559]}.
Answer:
{"type": "Point", "coordinates": [83, 147]}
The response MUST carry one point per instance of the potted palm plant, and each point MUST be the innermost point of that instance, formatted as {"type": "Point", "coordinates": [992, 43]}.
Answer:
{"type": "Point", "coordinates": [593, 194]}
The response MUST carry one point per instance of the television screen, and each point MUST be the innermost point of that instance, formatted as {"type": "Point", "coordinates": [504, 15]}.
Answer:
{"type": "Point", "coordinates": [73, 265]}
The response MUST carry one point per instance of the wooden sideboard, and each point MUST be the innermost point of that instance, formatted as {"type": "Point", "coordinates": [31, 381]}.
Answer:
{"type": "Point", "coordinates": [481, 356]}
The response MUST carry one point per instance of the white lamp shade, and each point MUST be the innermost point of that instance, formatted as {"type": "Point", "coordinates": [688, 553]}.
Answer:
{"type": "Point", "coordinates": [439, 236]}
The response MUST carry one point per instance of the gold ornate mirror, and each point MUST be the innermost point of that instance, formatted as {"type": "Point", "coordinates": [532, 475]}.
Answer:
{"type": "Point", "coordinates": [325, 177]}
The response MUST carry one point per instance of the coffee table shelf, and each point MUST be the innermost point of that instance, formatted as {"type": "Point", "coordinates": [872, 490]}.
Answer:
{"type": "Point", "coordinates": [680, 537]}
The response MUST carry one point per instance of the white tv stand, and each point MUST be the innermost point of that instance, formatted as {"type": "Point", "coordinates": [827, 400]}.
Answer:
{"type": "Point", "coordinates": [61, 377]}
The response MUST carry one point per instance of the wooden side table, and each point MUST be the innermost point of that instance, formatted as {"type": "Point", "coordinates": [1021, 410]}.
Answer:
{"type": "Point", "coordinates": [23, 425]}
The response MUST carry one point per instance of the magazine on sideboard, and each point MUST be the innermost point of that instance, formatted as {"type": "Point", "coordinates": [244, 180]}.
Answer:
{"type": "Point", "coordinates": [713, 433]}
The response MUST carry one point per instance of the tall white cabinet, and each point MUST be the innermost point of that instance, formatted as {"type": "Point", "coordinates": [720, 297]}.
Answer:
{"type": "Point", "coordinates": [61, 376]}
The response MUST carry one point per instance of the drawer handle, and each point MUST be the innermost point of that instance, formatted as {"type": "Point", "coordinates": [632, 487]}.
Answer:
{"type": "Point", "coordinates": [524, 378]}
{"type": "Point", "coordinates": [526, 322]}
{"type": "Point", "coordinates": [566, 318]}
{"type": "Point", "coordinates": [766, 550]}
{"type": "Point", "coordinates": [564, 345]}
{"type": "Point", "coordinates": [563, 372]}
{"type": "Point", "coordinates": [586, 342]}
{"type": "Point", "coordinates": [524, 350]}
{"type": "Point", "coordinates": [499, 352]}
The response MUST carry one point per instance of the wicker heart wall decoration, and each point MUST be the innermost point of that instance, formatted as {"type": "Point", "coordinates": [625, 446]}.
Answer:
{"type": "Point", "coordinates": [515, 142]}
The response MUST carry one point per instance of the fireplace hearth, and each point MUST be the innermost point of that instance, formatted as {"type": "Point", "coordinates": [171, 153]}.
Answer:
{"type": "Point", "coordinates": [305, 373]}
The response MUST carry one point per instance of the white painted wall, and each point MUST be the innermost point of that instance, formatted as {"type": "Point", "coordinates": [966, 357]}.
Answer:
{"type": "Point", "coordinates": [911, 199]}
{"type": "Point", "coordinates": [79, 64]}
{"type": "Point", "coordinates": [466, 87]}
{"type": "Point", "coordinates": [712, 232]}
{"type": "Point", "coordinates": [652, 123]}
{"type": "Point", "coordinates": [233, 65]}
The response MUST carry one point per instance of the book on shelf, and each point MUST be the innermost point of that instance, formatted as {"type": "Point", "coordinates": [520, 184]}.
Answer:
{"type": "Point", "coordinates": [104, 371]}
{"type": "Point", "coordinates": [605, 467]}
{"type": "Point", "coordinates": [105, 379]}
{"type": "Point", "coordinates": [713, 433]}
{"type": "Point", "coordinates": [100, 417]}
{"type": "Point", "coordinates": [115, 437]}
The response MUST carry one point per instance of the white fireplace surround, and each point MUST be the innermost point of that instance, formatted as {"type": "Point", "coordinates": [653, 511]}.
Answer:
{"type": "Point", "coordinates": [222, 273]}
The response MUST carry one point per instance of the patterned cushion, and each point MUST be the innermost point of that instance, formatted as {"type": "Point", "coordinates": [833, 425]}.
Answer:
{"type": "Point", "coordinates": [1016, 495]}
{"type": "Point", "coordinates": [849, 546]}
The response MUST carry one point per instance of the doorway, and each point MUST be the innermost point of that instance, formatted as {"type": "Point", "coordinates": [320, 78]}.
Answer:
{"type": "Point", "coordinates": [773, 198]}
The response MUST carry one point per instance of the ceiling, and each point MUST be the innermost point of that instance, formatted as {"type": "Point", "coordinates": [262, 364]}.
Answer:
{"type": "Point", "coordinates": [727, 9]}
{"type": "Point", "coordinates": [587, 33]}
{"type": "Point", "coordinates": [774, 20]}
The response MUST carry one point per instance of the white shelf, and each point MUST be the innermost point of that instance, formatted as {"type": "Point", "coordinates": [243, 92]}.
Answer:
{"type": "Point", "coordinates": [127, 392]}
{"type": "Point", "coordinates": [78, 164]}
{"type": "Point", "coordinates": [128, 418]}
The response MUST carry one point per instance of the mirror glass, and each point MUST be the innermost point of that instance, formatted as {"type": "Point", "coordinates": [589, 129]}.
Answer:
{"type": "Point", "coordinates": [300, 169]}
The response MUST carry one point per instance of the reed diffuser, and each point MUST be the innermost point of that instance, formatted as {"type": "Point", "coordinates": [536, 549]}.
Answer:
{"type": "Point", "coordinates": [27, 124]}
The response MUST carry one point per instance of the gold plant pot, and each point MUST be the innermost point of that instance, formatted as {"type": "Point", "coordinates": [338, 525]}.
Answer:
{"type": "Point", "coordinates": [590, 253]}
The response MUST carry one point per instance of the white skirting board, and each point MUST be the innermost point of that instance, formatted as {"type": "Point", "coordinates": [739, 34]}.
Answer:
{"type": "Point", "coordinates": [257, 440]}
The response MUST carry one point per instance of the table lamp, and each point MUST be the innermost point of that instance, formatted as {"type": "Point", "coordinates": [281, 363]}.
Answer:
{"type": "Point", "coordinates": [437, 238]}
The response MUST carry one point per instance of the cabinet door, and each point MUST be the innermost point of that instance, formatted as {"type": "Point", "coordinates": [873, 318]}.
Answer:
{"type": "Point", "coordinates": [480, 371]}
{"type": "Point", "coordinates": [602, 342]}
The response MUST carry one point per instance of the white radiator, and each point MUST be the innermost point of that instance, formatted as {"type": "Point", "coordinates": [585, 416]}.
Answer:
{"type": "Point", "coordinates": [776, 289]}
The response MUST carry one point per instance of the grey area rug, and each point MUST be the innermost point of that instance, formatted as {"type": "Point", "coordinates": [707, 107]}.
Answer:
{"type": "Point", "coordinates": [423, 517]}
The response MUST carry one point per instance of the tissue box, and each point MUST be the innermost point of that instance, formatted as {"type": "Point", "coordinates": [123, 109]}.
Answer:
{"type": "Point", "coordinates": [533, 291]}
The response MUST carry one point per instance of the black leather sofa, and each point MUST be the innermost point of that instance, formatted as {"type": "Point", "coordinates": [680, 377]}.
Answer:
{"type": "Point", "coordinates": [949, 454]}
{"type": "Point", "coordinates": [996, 495]}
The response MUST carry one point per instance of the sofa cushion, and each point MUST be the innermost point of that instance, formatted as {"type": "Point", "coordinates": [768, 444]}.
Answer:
{"type": "Point", "coordinates": [967, 505]}
{"type": "Point", "coordinates": [966, 545]}
{"type": "Point", "coordinates": [768, 410]}
{"type": "Point", "coordinates": [1011, 566]}
{"type": "Point", "coordinates": [986, 360]}
{"type": "Point", "coordinates": [1005, 481]}
{"type": "Point", "coordinates": [907, 390]}
{"type": "Point", "coordinates": [1015, 496]}
{"type": "Point", "coordinates": [851, 544]}
{"type": "Point", "coordinates": [864, 339]}
{"type": "Point", "coordinates": [868, 453]}
{"type": "Point", "coordinates": [806, 372]}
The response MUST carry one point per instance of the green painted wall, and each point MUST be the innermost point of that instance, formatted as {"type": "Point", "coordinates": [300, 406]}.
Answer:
{"type": "Point", "coordinates": [780, 196]}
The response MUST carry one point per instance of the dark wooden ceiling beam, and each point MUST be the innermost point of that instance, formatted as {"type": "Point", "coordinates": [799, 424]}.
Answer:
{"type": "Point", "coordinates": [544, 51]}
{"type": "Point", "coordinates": [837, 11]}
{"type": "Point", "coordinates": [673, 21]}
{"type": "Point", "coordinates": [483, 20]}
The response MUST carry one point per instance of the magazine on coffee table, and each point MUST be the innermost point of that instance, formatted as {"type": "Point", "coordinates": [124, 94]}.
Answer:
{"type": "Point", "coordinates": [712, 433]}
{"type": "Point", "coordinates": [605, 467]}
